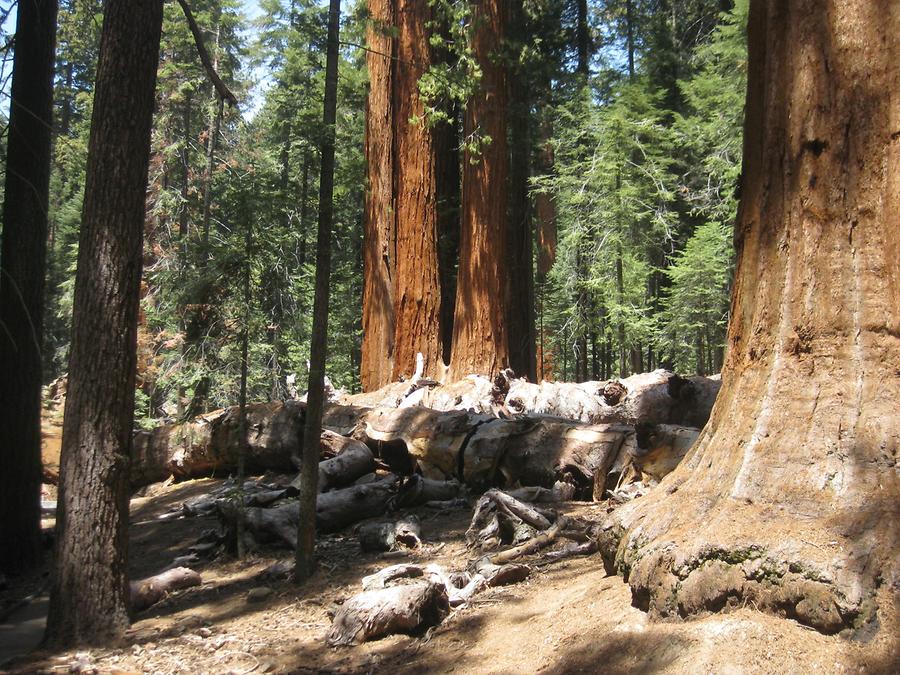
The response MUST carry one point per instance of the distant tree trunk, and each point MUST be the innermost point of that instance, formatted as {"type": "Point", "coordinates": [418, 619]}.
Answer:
{"type": "Point", "coordinates": [417, 292]}
{"type": "Point", "coordinates": [795, 473]}
{"type": "Point", "coordinates": [184, 213]}
{"type": "Point", "coordinates": [215, 123]}
{"type": "Point", "coordinates": [582, 38]}
{"type": "Point", "coordinates": [312, 430]}
{"type": "Point", "coordinates": [378, 233]}
{"type": "Point", "coordinates": [480, 343]}
{"type": "Point", "coordinates": [89, 592]}
{"type": "Point", "coordinates": [520, 301]}
{"type": "Point", "coordinates": [22, 270]}
{"type": "Point", "coordinates": [446, 149]}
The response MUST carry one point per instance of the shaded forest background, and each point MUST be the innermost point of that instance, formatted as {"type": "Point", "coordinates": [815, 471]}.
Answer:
{"type": "Point", "coordinates": [632, 158]}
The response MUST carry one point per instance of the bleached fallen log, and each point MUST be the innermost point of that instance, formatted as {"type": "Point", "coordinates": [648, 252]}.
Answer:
{"type": "Point", "coordinates": [659, 397]}
{"type": "Point", "coordinates": [147, 592]}
{"type": "Point", "coordinates": [384, 578]}
{"type": "Point", "coordinates": [560, 492]}
{"type": "Point", "coordinates": [209, 443]}
{"type": "Point", "coordinates": [373, 614]}
{"type": "Point", "coordinates": [539, 450]}
{"type": "Point", "coordinates": [432, 438]}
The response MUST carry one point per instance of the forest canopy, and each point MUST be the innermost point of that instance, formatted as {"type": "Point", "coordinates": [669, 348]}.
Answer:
{"type": "Point", "coordinates": [631, 157]}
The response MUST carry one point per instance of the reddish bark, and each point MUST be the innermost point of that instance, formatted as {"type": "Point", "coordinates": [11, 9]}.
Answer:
{"type": "Point", "coordinates": [795, 472]}
{"type": "Point", "coordinates": [479, 332]}
{"type": "Point", "coordinates": [417, 290]}
{"type": "Point", "coordinates": [376, 368]}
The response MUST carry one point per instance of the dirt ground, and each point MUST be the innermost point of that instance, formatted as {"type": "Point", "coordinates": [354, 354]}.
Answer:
{"type": "Point", "coordinates": [568, 617]}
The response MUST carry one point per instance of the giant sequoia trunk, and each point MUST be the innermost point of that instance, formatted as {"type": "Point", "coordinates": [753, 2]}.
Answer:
{"type": "Point", "coordinates": [479, 325]}
{"type": "Point", "coordinates": [417, 290]}
{"type": "Point", "coordinates": [378, 234]}
{"type": "Point", "coordinates": [22, 268]}
{"type": "Point", "coordinates": [89, 594]}
{"type": "Point", "coordinates": [402, 286]}
{"type": "Point", "coordinates": [789, 499]}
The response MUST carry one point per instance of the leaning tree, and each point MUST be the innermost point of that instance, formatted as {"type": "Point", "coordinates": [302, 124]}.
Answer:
{"type": "Point", "coordinates": [89, 593]}
{"type": "Point", "coordinates": [789, 500]}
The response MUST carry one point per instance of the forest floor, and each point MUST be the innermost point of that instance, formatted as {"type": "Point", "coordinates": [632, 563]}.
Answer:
{"type": "Point", "coordinates": [568, 617]}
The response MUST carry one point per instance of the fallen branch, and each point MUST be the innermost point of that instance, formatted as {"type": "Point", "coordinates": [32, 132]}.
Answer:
{"type": "Point", "coordinates": [533, 545]}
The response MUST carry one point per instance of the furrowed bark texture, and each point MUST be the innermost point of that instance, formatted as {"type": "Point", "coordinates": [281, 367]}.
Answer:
{"type": "Point", "coordinates": [89, 593]}
{"type": "Point", "coordinates": [479, 326]}
{"type": "Point", "coordinates": [378, 236]}
{"type": "Point", "coordinates": [417, 290]}
{"type": "Point", "coordinates": [22, 268]}
{"type": "Point", "coordinates": [789, 500]}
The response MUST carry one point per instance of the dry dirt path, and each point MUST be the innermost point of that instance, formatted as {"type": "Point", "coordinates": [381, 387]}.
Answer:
{"type": "Point", "coordinates": [567, 618]}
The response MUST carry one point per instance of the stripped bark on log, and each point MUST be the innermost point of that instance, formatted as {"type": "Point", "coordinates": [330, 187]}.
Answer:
{"type": "Point", "coordinates": [432, 438]}
{"type": "Point", "coordinates": [147, 592]}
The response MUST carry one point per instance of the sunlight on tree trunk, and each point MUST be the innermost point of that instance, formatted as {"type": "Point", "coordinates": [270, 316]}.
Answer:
{"type": "Point", "coordinates": [788, 501]}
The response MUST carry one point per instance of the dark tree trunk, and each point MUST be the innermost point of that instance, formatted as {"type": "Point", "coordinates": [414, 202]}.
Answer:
{"type": "Point", "coordinates": [795, 473]}
{"type": "Point", "coordinates": [22, 269]}
{"type": "Point", "coordinates": [520, 301]}
{"type": "Point", "coordinates": [378, 232]}
{"type": "Point", "coordinates": [89, 593]}
{"type": "Point", "coordinates": [582, 38]}
{"type": "Point", "coordinates": [446, 144]}
{"type": "Point", "coordinates": [480, 343]}
{"type": "Point", "coordinates": [309, 470]}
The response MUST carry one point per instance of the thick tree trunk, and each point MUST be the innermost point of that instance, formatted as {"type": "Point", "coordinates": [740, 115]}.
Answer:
{"type": "Point", "coordinates": [379, 239]}
{"type": "Point", "coordinates": [417, 291]}
{"type": "Point", "coordinates": [22, 269]}
{"type": "Point", "coordinates": [480, 343]}
{"type": "Point", "coordinates": [89, 593]}
{"type": "Point", "coordinates": [788, 501]}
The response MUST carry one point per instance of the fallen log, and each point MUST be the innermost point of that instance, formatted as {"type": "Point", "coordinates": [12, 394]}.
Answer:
{"type": "Point", "coordinates": [432, 438]}
{"type": "Point", "coordinates": [417, 490]}
{"type": "Point", "coordinates": [334, 511]}
{"type": "Point", "coordinates": [540, 451]}
{"type": "Point", "coordinates": [385, 577]}
{"type": "Point", "coordinates": [391, 535]}
{"type": "Point", "coordinates": [350, 460]}
{"type": "Point", "coordinates": [209, 443]}
{"type": "Point", "coordinates": [407, 609]}
{"type": "Point", "coordinates": [147, 592]}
